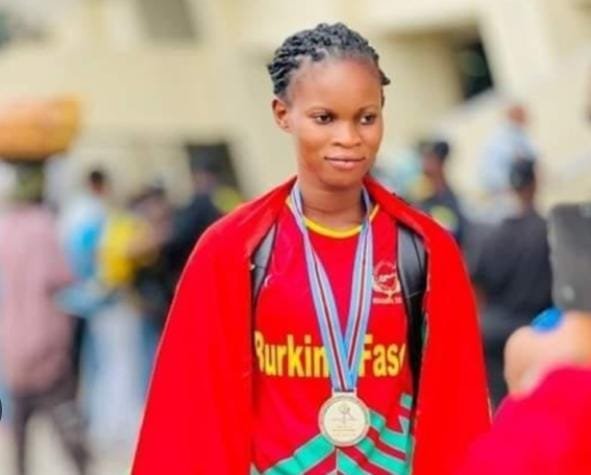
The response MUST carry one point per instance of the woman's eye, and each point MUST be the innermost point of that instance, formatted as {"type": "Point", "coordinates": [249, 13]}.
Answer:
{"type": "Point", "coordinates": [368, 119]}
{"type": "Point", "coordinates": [323, 118]}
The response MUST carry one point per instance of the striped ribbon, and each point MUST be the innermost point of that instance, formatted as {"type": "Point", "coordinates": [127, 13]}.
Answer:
{"type": "Point", "coordinates": [343, 350]}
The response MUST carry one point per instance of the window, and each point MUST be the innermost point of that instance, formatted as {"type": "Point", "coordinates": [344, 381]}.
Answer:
{"type": "Point", "coordinates": [214, 158]}
{"type": "Point", "coordinates": [167, 20]}
{"type": "Point", "coordinates": [5, 29]}
{"type": "Point", "coordinates": [15, 26]}
{"type": "Point", "coordinates": [473, 68]}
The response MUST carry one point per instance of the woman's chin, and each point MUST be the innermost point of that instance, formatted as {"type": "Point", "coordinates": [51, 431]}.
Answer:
{"type": "Point", "coordinates": [342, 182]}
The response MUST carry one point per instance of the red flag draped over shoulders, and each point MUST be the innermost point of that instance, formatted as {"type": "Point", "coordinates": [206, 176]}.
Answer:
{"type": "Point", "coordinates": [543, 433]}
{"type": "Point", "coordinates": [198, 414]}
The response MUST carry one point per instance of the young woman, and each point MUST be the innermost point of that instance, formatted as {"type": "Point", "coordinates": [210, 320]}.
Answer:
{"type": "Point", "coordinates": [309, 373]}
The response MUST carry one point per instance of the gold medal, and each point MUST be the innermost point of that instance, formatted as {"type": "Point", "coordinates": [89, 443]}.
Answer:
{"type": "Point", "coordinates": [344, 419]}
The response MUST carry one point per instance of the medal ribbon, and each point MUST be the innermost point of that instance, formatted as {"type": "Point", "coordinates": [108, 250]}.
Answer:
{"type": "Point", "coordinates": [343, 351]}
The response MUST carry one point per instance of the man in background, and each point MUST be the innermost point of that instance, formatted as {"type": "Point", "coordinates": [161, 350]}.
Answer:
{"type": "Point", "coordinates": [190, 221]}
{"type": "Point", "coordinates": [509, 141]}
{"type": "Point", "coordinates": [438, 198]}
{"type": "Point", "coordinates": [512, 274]}
{"type": "Point", "coordinates": [81, 226]}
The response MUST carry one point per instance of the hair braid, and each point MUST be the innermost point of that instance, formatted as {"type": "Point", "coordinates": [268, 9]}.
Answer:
{"type": "Point", "coordinates": [323, 41]}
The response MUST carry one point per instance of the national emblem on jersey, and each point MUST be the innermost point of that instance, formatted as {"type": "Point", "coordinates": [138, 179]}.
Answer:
{"type": "Point", "coordinates": [386, 284]}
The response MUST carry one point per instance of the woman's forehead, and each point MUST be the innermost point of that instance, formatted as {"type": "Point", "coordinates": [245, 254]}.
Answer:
{"type": "Point", "coordinates": [336, 80]}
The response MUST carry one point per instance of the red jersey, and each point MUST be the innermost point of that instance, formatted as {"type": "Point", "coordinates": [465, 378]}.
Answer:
{"type": "Point", "coordinates": [291, 380]}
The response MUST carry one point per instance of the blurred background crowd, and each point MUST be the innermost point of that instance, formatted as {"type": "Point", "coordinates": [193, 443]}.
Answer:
{"type": "Point", "coordinates": [128, 126]}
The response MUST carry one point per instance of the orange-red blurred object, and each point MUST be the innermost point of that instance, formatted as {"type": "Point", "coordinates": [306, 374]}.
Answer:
{"type": "Point", "coordinates": [34, 129]}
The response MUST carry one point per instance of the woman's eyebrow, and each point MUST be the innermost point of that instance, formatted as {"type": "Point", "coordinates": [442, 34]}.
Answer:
{"type": "Point", "coordinates": [319, 108]}
{"type": "Point", "coordinates": [369, 106]}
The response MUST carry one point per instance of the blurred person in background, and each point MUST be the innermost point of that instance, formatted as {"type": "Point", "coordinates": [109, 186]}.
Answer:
{"type": "Point", "coordinates": [154, 279]}
{"type": "Point", "coordinates": [223, 400]}
{"type": "Point", "coordinates": [512, 275]}
{"type": "Point", "coordinates": [35, 336]}
{"type": "Point", "coordinates": [436, 197]}
{"type": "Point", "coordinates": [542, 428]}
{"type": "Point", "coordinates": [140, 255]}
{"type": "Point", "coordinates": [116, 386]}
{"type": "Point", "coordinates": [399, 170]}
{"type": "Point", "coordinates": [81, 225]}
{"type": "Point", "coordinates": [190, 221]}
{"type": "Point", "coordinates": [509, 141]}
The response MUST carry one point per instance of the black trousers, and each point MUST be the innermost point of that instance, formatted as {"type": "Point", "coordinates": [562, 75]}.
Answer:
{"type": "Point", "coordinates": [60, 405]}
{"type": "Point", "coordinates": [80, 332]}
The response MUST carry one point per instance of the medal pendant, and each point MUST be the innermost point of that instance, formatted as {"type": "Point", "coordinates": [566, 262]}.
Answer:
{"type": "Point", "coordinates": [344, 419]}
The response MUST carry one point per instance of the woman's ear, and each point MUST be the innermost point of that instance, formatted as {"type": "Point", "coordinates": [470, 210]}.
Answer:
{"type": "Point", "coordinates": [281, 114]}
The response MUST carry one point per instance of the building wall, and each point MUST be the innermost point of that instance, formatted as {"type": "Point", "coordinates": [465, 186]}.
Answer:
{"type": "Point", "coordinates": [568, 24]}
{"type": "Point", "coordinates": [424, 84]}
{"type": "Point", "coordinates": [418, 15]}
{"type": "Point", "coordinates": [215, 87]}
{"type": "Point", "coordinates": [560, 129]}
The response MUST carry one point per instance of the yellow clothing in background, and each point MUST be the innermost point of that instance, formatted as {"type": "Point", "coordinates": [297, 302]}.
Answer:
{"type": "Point", "coordinates": [116, 266]}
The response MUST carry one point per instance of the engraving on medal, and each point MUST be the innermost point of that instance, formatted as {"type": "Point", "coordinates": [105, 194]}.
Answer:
{"type": "Point", "coordinates": [344, 419]}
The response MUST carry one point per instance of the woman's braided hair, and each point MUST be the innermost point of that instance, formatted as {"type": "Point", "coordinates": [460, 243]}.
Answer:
{"type": "Point", "coordinates": [323, 41]}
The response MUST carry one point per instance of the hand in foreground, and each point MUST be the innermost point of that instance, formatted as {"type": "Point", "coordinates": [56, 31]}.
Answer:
{"type": "Point", "coordinates": [553, 340]}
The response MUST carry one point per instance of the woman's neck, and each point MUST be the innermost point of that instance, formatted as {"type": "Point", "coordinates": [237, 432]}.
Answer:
{"type": "Point", "coordinates": [336, 209]}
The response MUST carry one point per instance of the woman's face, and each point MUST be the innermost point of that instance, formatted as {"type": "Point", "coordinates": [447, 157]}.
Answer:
{"type": "Point", "coordinates": [333, 109]}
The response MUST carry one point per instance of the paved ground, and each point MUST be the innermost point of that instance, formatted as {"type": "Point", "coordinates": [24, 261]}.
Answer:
{"type": "Point", "coordinates": [48, 458]}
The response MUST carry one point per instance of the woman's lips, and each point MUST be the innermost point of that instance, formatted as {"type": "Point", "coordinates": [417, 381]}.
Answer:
{"type": "Point", "coordinates": [345, 163]}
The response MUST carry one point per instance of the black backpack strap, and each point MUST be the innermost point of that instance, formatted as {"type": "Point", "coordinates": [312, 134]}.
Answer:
{"type": "Point", "coordinates": [412, 265]}
{"type": "Point", "coordinates": [260, 262]}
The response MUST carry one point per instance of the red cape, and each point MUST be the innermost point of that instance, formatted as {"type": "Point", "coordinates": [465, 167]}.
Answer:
{"type": "Point", "coordinates": [198, 414]}
{"type": "Point", "coordinates": [544, 433]}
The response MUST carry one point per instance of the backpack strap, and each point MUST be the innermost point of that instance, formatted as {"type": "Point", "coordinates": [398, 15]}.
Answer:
{"type": "Point", "coordinates": [260, 262]}
{"type": "Point", "coordinates": [412, 265]}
